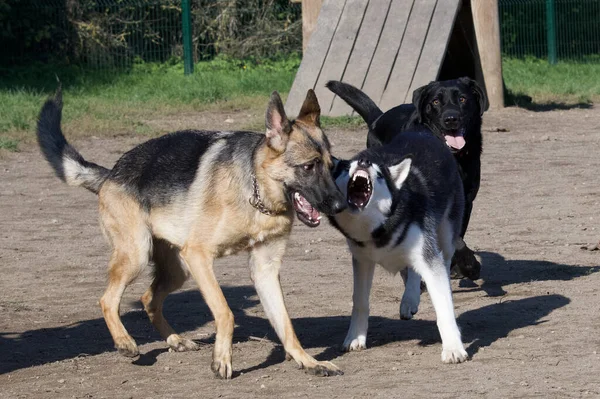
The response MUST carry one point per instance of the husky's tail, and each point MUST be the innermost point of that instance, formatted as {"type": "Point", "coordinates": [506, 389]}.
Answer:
{"type": "Point", "coordinates": [67, 163]}
{"type": "Point", "coordinates": [358, 100]}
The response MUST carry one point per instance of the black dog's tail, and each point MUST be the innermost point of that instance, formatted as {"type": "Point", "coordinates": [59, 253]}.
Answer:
{"type": "Point", "coordinates": [67, 163]}
{"type": "Point", "coordinates": [358, 100]}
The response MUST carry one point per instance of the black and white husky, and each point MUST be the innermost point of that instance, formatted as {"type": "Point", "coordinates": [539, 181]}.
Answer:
{"type": "Point", "coordinates": [405, 207]}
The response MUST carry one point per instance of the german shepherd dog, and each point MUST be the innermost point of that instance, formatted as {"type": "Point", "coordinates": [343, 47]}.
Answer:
{"type": "Point", "coordinates": [452, 111]}
{"type": "Point", "coordinates": [189, 197]}
{"type": "Point", "coordinates": [405, 211]}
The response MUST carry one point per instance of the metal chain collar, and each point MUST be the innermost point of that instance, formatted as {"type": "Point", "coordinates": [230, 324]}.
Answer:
{"type": "Point", "coordinates": [257, 202]}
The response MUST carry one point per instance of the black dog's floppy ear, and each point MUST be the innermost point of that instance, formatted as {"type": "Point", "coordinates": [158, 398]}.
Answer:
{"type": "Point", "coordinates": [418, 101]}
{"type": "Point", "coordinates": [479, 93]}
{"type": "Point", "coordinates": [277, 124]}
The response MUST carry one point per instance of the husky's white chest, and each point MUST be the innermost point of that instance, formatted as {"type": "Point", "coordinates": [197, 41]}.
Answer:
{"type": "Point", "coordinates": [395, 256]}
{"type": "Point", "coordinates": [391, 259]}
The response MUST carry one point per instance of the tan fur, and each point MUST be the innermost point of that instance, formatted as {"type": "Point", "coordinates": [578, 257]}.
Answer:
{"type": "Point", "coordinates": [211, 219]}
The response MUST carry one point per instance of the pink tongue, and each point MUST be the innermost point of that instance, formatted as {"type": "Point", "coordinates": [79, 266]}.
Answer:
{"type": "Point", "coordinates": [314, 214]}
{"type": "Point", "coordinates": [308, 209]}
{"type": "Point", "coordinates": [456, 142]}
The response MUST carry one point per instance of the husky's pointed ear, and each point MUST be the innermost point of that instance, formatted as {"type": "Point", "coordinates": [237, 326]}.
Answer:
{"type": "Point", "coordinates": [310, 111]}
{"type": "Point", "coordinates": [399, 171]}
{"type": "Point", "coordinates": [278, 126]}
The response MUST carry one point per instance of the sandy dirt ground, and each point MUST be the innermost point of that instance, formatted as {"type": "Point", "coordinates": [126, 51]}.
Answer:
{"type": "Point", "coordinates": [530, 324]}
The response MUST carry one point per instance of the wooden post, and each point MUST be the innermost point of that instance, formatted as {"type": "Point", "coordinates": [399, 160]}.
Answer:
{"type": "Point", "coordinates": [310, 14]}
{"type": "Point", "coordinates": [487, 33]}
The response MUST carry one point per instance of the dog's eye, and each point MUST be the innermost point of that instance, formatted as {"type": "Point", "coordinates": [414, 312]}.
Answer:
{"type": "Point", "coordinates": [436, 102]}
{"type": "Point", "coordinates": [310, 165]}
{"type": "Point", "coordinates": [462, 99]}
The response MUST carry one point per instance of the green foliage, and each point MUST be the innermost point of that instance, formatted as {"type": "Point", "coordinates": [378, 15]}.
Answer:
{"type": "Point", "coordinates": [524, 30]}
{"type": "Point", "coordinates": [114, 34]}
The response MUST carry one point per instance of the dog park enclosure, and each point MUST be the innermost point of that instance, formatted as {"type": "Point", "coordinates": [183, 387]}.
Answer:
{"type": "Point", "coordinates": [388, 48]}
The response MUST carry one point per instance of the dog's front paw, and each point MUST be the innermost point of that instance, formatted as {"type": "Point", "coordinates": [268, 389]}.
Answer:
{"type": "Point", "coordinates": [222, 368]}
{"type": "Point", "coordinates": [455, 355]}
{"type": "Point", "coordinates": [352, 343]}
{"type": "Point", "coordinates": [127, 347]}
{"type": "Point", "coordinates": [465, 264]}
{"type": "Point", "coordinates": [221, 365]}
{"type": "Point", "coordinates": [179, 344]}
{"type": "Point", "coordinates": [324, 369]}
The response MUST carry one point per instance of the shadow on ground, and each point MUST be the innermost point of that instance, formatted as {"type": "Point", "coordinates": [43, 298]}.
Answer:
{"type": "Point", "coordinates": [187, 312]}
{"type": "Point", "coordinates": [497, 272]}
{"type": "Point", "coordinates": [526, 102]}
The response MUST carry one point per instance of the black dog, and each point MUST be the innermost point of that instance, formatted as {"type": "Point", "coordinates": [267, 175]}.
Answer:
{"type": "Point", "coordinates": [450, 109]}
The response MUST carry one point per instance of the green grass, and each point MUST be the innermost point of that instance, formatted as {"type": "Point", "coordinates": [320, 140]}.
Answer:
{"type": "Point", "coordinates": [96, 104]}
{"type": "Point", "coordinates": [343, 122]}
{"type": "Point", "coordinates": [8, 144]}
{"type": "Point", "coordinates": [563, 83]}
{"type": "Point", "coordinates": [107, 103]}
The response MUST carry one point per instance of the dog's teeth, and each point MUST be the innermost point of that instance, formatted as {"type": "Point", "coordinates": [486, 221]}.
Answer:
{"type": "Point", "coordinates": [362, 173]}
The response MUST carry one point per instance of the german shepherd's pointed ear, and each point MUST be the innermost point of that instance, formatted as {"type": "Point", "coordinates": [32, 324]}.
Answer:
{"type": "Point", "coordinates": [310, 111]}
{"type": "Point", "coordinates": [278, 126]}
{"type": "Point", "coordinates": [479, 93]}
{"type": "Point", "coordinates": [399, 171]}
{"type": "Point", "coordinates": [418, 100]}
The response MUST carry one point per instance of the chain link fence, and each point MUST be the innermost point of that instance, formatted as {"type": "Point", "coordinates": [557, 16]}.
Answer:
{"type": "Point", "coordinates": [567, 30]}
{"type": "Point", "coordinates": [114, 34]}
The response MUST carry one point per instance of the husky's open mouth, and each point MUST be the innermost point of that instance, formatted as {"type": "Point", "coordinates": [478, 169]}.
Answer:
{"type": "Point", "coordinates": [306, 213]}
{"type": "Point", "coordinates": [455, 139]}
{"type": "Point", "coordinates": [360, 189]}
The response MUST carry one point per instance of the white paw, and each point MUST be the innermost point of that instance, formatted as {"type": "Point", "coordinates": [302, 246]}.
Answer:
{"type": "Point", "coordinates": [408, 307]}
{"type": "Point", "coordinates": [456, 355]}
{"type": "Point", "coordinates": [352, 343]}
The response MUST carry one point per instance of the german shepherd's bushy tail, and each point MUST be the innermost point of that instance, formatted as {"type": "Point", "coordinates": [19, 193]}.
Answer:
{"type": "Point", "coordinates": [67, 163]}
{"type": "Point", "coordinates": [358, 100]}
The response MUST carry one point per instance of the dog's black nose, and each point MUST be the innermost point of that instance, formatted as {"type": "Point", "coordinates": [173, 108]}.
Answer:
{"type": "Point", "coordinates": [451, 119]}
{"type": "Point", "coordinates": [364, 163]}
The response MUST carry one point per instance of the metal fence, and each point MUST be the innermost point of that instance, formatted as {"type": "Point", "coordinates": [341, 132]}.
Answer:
{"type": "Point", "coordinates": [567, 30]}
{"type": "Point", "coordinates": [114, 34]}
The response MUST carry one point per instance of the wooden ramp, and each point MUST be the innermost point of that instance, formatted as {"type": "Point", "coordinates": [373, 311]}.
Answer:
{"type": "Point", "coordinates": [387, 48]}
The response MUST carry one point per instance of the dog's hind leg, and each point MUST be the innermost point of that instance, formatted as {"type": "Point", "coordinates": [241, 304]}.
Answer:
{"type": "Point", "coordinates": [168, 277]}
{"type": "Point", "coordinates": [428, 260]}
{"type": "Point", "coordinates": [265, 261]}
{"type": "Point", "coordinates": [199, 261]}
{"type": "Point", "coordinates": [123, 223]}
{"type": "Point", "coordinates": [409, 306]}
{"type": "Point", "coordinates": [356, 339]}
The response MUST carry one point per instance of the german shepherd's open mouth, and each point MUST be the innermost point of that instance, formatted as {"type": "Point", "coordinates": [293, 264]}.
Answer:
{"type": "Point", "coordinates": [360, 189]}
{"type": "Point", "coordinates": [306, 213]}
